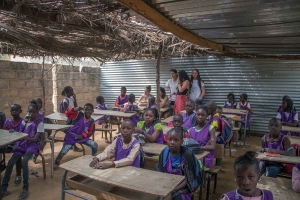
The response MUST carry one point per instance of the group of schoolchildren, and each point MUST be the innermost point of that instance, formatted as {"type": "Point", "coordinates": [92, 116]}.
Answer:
{"type": "Point", "coordinates": [126, 149]}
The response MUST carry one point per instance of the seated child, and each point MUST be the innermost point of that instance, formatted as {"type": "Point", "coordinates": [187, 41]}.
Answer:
{"type": "Point", "coordinates": [151, 102]}
{"type": "Point", "coordinates": [179, 160]}
{"type": "Point", "coordinates": [288, 116]}
{"type": "Point", "coordinates": [25, 148]}
{"type": "Point", "coordinates": [130, 107]}
{"type": "Point", "coordinates": [122, 98]}
{"type": "Point", "coordinates": [274, 142]}
{"type": "Point", "coordinates": [150, 128]}
{"type": "Point", "coordinates": [245, 105]}
{"type": "Point", "coordinates": [13, 125]}
{"type": "Point", "coordinates": [230, 103]}
{"type": "Point", "coordinates": [246, 170]}
{"type": "Point", "coordinates": [102, 106]}
{"type": "Point", "coordinates": [177, 123]}
{"type": "Point", "coordinates": [283, 99]}
{"type": "Point", "coordinates": [204, 134]}
{"type": "Point", "coordinates": [296, 178]}
{"type": "Point", "coordinates": [125, 149]}
{"type": "Point", "coordinates": [81, 132]}
{"type": "Point", "coordinates": [189, 118]}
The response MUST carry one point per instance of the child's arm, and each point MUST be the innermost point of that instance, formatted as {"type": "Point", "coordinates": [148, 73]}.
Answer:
{"type": "Point", "coordinates": [292, 124]}
{"type": "Point", "coordinates": [288, 149]}
{"type": "Point", "coordinates": [154, 136]}
{"type": "Point", "coordinates": [117, 102]}
{"type": "Point", "coordinates": [89, 133]}
{"type": "Point", "coordinates": [36, 137]}
{"type": "Point", "coordinates": [130, 158]}
{"type": "Point", "coordinates": [210, 146]}
{"type": "Point", "coordinates": [108, 153]}
{"type": "Point", "coordinates": [180, 186]}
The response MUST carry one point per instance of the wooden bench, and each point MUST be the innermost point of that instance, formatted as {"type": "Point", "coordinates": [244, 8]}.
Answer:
{"type": "Point", "coordinates": [105, 130]}
{"type": "Point", "coordinates": [105, 191]}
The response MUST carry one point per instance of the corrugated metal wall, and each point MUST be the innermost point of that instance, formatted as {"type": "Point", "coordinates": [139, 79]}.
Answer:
{"type": "Point", "coordinates": [265, 81]}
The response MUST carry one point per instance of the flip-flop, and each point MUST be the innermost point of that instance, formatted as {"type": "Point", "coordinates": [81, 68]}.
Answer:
{"type": "Point", "coordinates": [5, 193]}
{"type": "Point", "coordinates": [24, 195]}
{"type": "Point", "coordinates": [18, 180]}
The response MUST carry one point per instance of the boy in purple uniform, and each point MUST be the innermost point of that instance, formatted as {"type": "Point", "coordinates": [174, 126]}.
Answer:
{"type": "Point", "coordinates": [25, 148]}
{"type": "Point", "coordinates": [122, 98]}
{"type": "Point", "coordinates": [246, 170]}
{"type": "Point", "coordinates": [189, 118]}
{"type": "Point", "coordinates": [125, 149]}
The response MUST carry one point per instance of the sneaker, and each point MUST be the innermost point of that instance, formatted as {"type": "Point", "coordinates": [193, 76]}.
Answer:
{"type": "Point", "coordinates": [18, 180]}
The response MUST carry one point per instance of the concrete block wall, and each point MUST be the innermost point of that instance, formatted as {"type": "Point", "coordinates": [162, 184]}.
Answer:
{"type": "Point", "coordinates": [21, 82]}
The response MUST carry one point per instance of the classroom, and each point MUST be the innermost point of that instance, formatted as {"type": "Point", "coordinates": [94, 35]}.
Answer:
{"type": "Point", "coordinates": [140, 100]}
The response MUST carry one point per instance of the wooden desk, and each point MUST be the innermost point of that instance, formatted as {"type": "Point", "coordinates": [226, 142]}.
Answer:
{"type": "Point", "coordinates": [281, 159]}
{"type": "Point", "coordinates": [156, 149]}
{"type": "Point", "coordinates": [56, 127]}
{"type": "Point", "coordinates": [6, 138]}
{"type": "Point", "coordinates": [142, 109]}
{"type": "Point", "coordinates": [291, 129]}
{"type": "Point", "coordinates": [167, 120]}
{"type": "Point", "coordinates": [131, 178]}
{"type": "Point", "coordinates": [294, 139]}
{"type": "Point", "coordinates": [112, 113]}
{"type": "Point", "coordinates": [280, 187]}
{"type": "Point", "coordinates": [234, 111]}
{"type": "Point", "coordinates": [62, 117]}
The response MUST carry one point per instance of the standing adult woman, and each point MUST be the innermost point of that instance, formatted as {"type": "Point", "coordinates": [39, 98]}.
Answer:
{"type": "Point", "coordinates": [182, 90]}
{"type": "Point", "coordinates": [197, 88]}
{"type": "Point", "coordinates": [145, 97]}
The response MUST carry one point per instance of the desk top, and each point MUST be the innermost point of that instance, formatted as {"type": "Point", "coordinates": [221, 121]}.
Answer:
{"type": "Point", "coordinates": [281, 158]}
{"type": "Point", "coordinates": [142, 109]}
{"type": "Point", "coordinates": [6, 137]}
{"type": "Point", "coordinates": [62, 117]}
{"type": "Point", "coordinates": [294, 139]}
{"type": "Point", "coordinates": [233, 111]}
{"type": "Point", "coordinates": [132, 178]}
{"type": "Point", "coordinates": [167, 119]}
{"type": "Point", "coordinates": [56, 126]}
{"type": "Point", "coordinates": [291, 129]}
{"type": "Point", "coordinates": [112, 113]}
{"type": "Point", "coordinates": [156, 149]}
{"type": "Point", "coordinates": [280, 187]}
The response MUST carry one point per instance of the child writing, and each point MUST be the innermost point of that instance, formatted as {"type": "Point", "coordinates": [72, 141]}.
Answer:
{"type": "Point", "coordinates": [204, 134]}
{"type": "Point", "coordinates": [125, 149]}
{"type": "Point", "coordinates": [179, 160]}
{"type": "Point", "coordinates": [14, 125]}
{"type": "Point", "coordinates": [151, 102]}
{"type": "Point", "coordinates": [288, 116]}
{"type": "Point", "coordinates": [274, 142]}
{"type": "Point", "coordinates": [81, 132]}
{"type": "Point", "coordinates": [130, 107]}
{"type": "Point", "coordinates": [189, 118]}
{"type": "Point", "coordinates": [246, 170]}
{"type": "Point", "coordinates": [150, 128]}
{"type": "Point", "coordinates": [230, 103]}
{"type": "Point", "coordinates": [25, 148]}
{"type": "Point", "coordinates": [245, 105]}
{"type": "Point", "coordinates": [296, 178]}
{"type": "Point", "coordinates": [122, 98]}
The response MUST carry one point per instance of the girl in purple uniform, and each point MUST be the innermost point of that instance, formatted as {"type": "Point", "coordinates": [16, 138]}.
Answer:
{"type": "Point", "coordinates": [25, 148]}
{"type": "Point", "coordinates": [230, 103]}
{"type": "Point", "coordinates": [246, 170]}
{"type": "Point", "coordinates": [125, 149]}
{"type": "Point", "coordinates": [122, 98]}
{"type": "Point", "coordinates": [179, 160]}
{"type": "Point", "coordinates": [274, 142]}
{"type": "Point", "coordinates": [189, 118]}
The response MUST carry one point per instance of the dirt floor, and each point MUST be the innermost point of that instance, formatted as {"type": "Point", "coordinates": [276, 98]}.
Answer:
{"type": "Point", "coordinates": [50, 189]}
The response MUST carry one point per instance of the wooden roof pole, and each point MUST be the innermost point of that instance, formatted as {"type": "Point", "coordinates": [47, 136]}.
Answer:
{"type": "Point", "coordinates": [166, 25]}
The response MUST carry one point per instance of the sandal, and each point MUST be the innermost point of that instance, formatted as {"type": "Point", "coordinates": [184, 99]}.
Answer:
{"type": "Point", "coordinates": [24, 195]}
{"type": "Point", "coordinates": [18, 180]}
{"type": "Point", "coordinates": [5, 193]}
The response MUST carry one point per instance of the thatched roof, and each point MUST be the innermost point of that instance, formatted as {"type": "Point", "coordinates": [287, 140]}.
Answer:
{"type": "Point", "coordinates": [101, 29]}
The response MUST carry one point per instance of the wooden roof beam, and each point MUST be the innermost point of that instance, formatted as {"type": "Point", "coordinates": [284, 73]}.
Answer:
{"type": "Point", "coordinates": [168, 26]}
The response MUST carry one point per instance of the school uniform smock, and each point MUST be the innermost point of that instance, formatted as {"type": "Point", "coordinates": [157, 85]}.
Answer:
{"type": "Point", "coordinates": [110, 152]}
{"type": "Point", "coordinates": [70, 102]}
{"type": "Point", "coordinates": [150, 131]}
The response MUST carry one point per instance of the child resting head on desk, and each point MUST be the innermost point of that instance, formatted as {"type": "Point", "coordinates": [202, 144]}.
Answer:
{"type": "Point", "coordinates": [125, 149]}
{"type": "Point", "coordinates": [246, 170]}
{"type": "Point", "coordinates": [179, 160]}
{"type": "Point", "coordinates": [274, 142]}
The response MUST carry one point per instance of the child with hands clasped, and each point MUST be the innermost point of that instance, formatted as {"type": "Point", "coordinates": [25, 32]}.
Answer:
{"type": "Point", "coordinates": [274, 142]}
{"type": "Point", "coordinates": [179, 160]}
{"type": "Point", "coordinates": [25, 148]}
{"type": "Point", "coordinates": [81, 132]}
{"type": "Point", "coordinates": [247, 175]}
{"type": "Point", "coordinates": [125, 149]}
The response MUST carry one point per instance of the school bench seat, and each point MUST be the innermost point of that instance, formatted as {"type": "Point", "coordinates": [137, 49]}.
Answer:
{"type": "Point", "coordinates": [105, 130]}
{"type": "Point", "coordinates": [103, 191]}
{"type": "Point", "coordinates": [61, 139]}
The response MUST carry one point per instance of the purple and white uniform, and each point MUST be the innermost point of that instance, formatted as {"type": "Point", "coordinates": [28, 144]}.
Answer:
{"type": "Point", "coordinates": [187, 121]}
{"type": "Point", "coordinates": [288, 117]}
{"type": "Point", "coordinates": [228, 105]}
{"type": "Point", "coordinates": [244, 107]}
{"type": "Point", "coordinates": [159, 139]}
{"type": "Point", "coordinates": [102, 107]}
{"type": "Point", "coordinates": [123, 153]}
{"type": "Point", "coordinates": [234, 195]}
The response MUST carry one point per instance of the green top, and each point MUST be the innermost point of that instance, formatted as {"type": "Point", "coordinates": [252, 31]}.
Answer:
{"type": "Point", "coordinates": [157, 126]}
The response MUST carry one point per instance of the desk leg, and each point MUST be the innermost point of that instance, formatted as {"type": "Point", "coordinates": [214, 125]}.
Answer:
{"type": "Point", "coordinates": [203, 180]}
{"type": "Point", "coordinates": [52, 153]}
{"type": "Point", "coordinates": [63, 185]}
{"type": "Point", "coordinates": [0, 179]}
{"type": "Point", "coordinates": [245, 128]}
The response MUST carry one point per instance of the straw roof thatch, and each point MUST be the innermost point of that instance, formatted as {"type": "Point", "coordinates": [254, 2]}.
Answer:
{"type": "Point", "coordinates": [101, 29]}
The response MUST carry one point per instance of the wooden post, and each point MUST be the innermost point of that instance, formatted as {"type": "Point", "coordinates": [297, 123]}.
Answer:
{"type": "Point", "coordinates": [43, 84]}
{"type": "Point", "coordinates": [55, 87]}
{"type": "Point", "coordinates": [158, 79]}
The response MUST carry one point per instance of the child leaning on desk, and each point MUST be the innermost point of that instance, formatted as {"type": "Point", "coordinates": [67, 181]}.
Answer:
{"type": "Point", "coordinates": [274, 142]}
{"type": "Point", "coordinates": [179, 160]}
{"type": "Point", "coordinates": [125, 149]}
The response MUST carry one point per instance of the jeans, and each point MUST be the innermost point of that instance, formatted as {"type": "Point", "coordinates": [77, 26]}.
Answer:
{"type": "Point", "coordinates": [13, 160]}
{"type": "Point", "coordinates": [272, 170]}
{"type": "Point", "coordinates": [67, 147]}
{"type": "Point", "coordinates": [4, 150]}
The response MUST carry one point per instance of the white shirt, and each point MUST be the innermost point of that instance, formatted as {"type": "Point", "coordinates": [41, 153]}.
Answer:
{"type": "Point", "coordinates": [70, 102]}
{"type": "Point", "coordinates": [287, 115]}
{"type": "Point", "coordinates": [195, 90]}
{"type": "Point", "coordinates": [238, 105]}
{"type": "Point", "coordinates": [173, 87]}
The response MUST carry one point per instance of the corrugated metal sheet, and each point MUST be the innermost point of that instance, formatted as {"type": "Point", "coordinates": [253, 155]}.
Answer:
{"type": "Point", "coordinates": [265, 81]}
{"type": "Point", "coordinates": [248, 26]}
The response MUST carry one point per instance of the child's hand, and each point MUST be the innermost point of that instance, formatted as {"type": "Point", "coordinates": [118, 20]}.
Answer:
{"type": "Point", "coordinates": [105, 165]}
{"type": "Point", "coordinates": [78, 137]}
{"type": "Point", "coordinates": [11, 131]}
{"type": "Point", "coordinates": [94, 162]}
{"type": "Point", "coordinates": [210, 141]}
